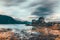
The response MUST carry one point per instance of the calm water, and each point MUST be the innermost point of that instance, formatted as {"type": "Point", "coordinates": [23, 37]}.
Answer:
{"type": "Point", "coordinates": [17, 26]}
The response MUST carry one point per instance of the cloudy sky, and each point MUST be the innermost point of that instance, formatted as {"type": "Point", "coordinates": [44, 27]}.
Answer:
{"type": "Point", "coordinates": [23, 9]}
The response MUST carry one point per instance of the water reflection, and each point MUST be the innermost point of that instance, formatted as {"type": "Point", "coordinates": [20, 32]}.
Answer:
{"type": "Point", "coordinates": [15, 26]}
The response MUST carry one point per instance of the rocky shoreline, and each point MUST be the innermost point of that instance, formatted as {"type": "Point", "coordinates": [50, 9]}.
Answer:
{"type": "Point", "coordinates": [10, 34]}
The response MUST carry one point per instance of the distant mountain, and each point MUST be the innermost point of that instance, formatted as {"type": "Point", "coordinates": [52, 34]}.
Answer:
{"type": "Point", "coordinates": [9, 20]}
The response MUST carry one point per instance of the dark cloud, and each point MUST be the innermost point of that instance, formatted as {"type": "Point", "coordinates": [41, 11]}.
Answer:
{"type": "Point", "coordinates": [12, 2]}
{"type": "Point", "coordinates": [45, 9]}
